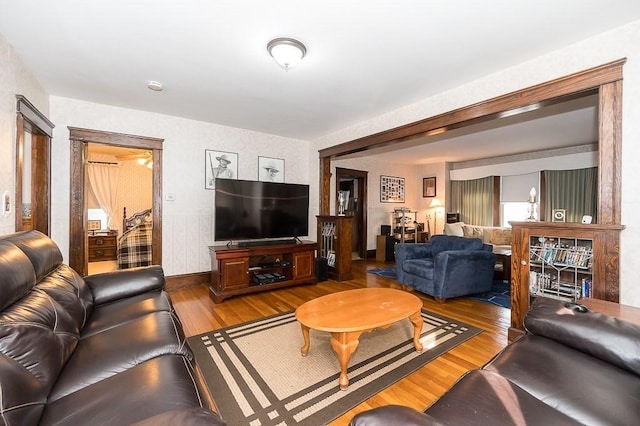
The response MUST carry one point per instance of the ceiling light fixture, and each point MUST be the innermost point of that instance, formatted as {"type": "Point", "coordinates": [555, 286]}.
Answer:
{"type": "Point", "coordinates": [287, 52]}
{"type": "Point", "coordinates": [156, 86]}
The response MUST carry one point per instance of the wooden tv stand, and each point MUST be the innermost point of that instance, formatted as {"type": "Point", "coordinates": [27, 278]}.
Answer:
{"type": "Point", "coordinates": [234, 269]}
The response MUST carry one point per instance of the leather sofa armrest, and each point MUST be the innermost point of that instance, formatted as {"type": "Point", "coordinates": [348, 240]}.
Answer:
{"type": "Point", "coordinates": [609, 339]}
{"type": "Point", "coordinates": [187, 417]}
{"type": "Point", "coordinates": [393, 415]}
{"type": "Point", "coordinates": [115, 285]}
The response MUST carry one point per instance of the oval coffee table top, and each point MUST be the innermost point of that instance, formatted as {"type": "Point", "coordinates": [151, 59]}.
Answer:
{"type": "Point", "coordinates": [357, 310]}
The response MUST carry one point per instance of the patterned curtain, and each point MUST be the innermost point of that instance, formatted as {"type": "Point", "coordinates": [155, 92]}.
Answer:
{"type": "Point", "coordinates": [473, 199]}
{"type": "Point", "coordinates": [576, 191]}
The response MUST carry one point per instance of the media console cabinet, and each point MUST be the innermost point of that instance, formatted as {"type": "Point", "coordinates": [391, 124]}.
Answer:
{"type": "Point", "coordinates": [242, 270]}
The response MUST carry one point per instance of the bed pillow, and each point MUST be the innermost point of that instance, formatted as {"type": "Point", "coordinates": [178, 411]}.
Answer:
{"type": "Point", "coordinates": [454, 229]}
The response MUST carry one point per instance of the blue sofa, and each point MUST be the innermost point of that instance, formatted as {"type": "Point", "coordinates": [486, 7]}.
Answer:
{"type": "Point", "coordinates": [447, 266]}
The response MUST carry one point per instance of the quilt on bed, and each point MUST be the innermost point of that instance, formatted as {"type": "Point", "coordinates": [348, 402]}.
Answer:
{"type": "Point", "coordinates": [135, 247]}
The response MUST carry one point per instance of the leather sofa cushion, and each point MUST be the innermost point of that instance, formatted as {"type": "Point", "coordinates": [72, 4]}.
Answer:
{"type": "Point", "coordinates": [158, 385]}
{"type": "Point", "coordinates": [485, 398]}
{"type": "Point", "coordinates": [112, 286]}
{"type": "Point", "coordinates": [102, 355]}
{"type": "Point", "coordinates": [582, 387]}
{"type": "Point", "coordinates": [18, 275]}
{"type": "Point", "coordinates": [122, 311]}
{"type": "Point", "coordinates": [43, 253]}
{"type": "Point", "coordinates": [607, 338]}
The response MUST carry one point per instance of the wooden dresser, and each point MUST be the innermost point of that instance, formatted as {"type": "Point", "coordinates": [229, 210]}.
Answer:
{"type": "Point", "coordinates": [103, 246]}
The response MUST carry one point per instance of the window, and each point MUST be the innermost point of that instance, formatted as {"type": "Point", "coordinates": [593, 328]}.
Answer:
{"type": "Point", "coordinates": [513, 211]}
{"type": "Point", "coordinates": [98, 214]}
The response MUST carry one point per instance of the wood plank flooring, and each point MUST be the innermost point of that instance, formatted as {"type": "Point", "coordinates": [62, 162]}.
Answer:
{"type": "Point", "coordinates": [199, 314]}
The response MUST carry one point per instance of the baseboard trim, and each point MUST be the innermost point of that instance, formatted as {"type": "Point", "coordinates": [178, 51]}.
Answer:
{"type": "Point", "coordinates": [177, 282]}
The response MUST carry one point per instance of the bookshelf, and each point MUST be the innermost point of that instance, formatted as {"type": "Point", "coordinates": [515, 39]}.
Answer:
{"type": "Point", "coordinates": [560, 268]}
{"type": "Point", "coordinates": [334, 244]}
{"type": "Point", "coordinates": [554, 259]}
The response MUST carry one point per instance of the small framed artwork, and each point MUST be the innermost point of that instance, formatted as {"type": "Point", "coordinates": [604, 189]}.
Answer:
{"type": "Point", "coordinates": [6, 203]}
{"type": "Point", "coordinates": [558, 215]}
{"type": "Point", "coordinates": [270, 169]}
{"type": "Point", "coordinates": [219, 164]}
{"type": "Point", "coordinates": [94, 225]}
{"type": "Point", "coordinates": [392, 189]}
{"type": "Point", "coordinates": [429, 187]}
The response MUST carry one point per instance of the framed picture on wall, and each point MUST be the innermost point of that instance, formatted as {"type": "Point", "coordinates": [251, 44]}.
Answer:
{"type": "Point", "coordinates": [219, 164]}
{"type": "Point", "coordinates": [429, 187]}
{"type": "Point", "coordinates": [392, 189]}
{"type": "Point", "coordinates": [94, 225]}
{"type": "Point", "coordinates": [270, 169]}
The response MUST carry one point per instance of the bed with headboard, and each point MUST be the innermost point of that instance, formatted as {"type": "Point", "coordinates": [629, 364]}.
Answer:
{"type": "Point", "coordinates": [134, 246]}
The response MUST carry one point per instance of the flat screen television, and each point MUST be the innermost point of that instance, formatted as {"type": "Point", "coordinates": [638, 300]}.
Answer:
{"type": "Point", "coordinates": [251, 210]}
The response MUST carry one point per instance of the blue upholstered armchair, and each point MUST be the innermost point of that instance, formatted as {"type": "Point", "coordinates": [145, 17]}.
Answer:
{"type": "Point", "coordinates": [446, 266]}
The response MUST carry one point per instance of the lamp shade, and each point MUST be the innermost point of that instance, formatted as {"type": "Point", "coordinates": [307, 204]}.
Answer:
{"type": "Point", "coordinates": [435, 202]}
{"type": "Point", "coordinates": [287, 52]}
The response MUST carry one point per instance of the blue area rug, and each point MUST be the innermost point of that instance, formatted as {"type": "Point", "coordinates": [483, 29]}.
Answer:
{"type": "Point", "coordinates": [500, 293]}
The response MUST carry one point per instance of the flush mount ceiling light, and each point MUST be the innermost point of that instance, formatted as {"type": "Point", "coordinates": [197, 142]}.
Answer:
{"type": "Point", "coordinates": [287, 52]}
{"type": "Point", "coordinates": [156, 86]}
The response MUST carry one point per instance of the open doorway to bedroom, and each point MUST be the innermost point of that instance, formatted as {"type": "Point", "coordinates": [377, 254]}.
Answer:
{"type": "Point", "coordinates": [79, 225]}
{"type": "Point", "coordinates": [120, 186]}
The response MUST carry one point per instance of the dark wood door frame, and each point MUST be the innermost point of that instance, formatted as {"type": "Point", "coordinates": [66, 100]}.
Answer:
{"type": "Point", "coordinates": [605, 80]}
{"type": "Point", "coordinates": [30, 120]}
{"type": "Point", "coordinates": [78, 237]}
{"type": "Point", "coordinates": [362, 196]}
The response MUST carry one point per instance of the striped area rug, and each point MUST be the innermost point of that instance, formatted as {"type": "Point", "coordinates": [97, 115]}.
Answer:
{"type": "Point", "coordinates": [257, 376]}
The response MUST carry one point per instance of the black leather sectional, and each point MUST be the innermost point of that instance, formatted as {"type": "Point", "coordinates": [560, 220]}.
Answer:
{"type": "Point", "coordinates": [571, 368]}
{"type": "Point", "coordinates": [107, 349]}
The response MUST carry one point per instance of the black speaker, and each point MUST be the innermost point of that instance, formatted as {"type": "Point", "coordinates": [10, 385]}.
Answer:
{"type": "Point", "coordinates": [385, 229]}
{"type": "Point", "coordinates": [322, 270]}
{"type": "Point", "coordinates": [389, 249]}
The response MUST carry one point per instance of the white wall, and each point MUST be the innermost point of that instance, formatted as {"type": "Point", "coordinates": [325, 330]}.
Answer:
{"type": "Point", "coordinates": [188, 221]}
{"type": "Point", "coordinates": [606, 47]}
{"type": "Point", "coordinates": [15, 79]}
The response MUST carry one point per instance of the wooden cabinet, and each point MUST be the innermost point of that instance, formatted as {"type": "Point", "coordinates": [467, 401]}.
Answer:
{"type": "Point", "coordinates": [103, 247]}
{"type": "Point", "coordinates": [242, 270]}
{"type": "Point", "coordinates": [334, 240]}
{"type": "Point", "coordinates": [549, 256]}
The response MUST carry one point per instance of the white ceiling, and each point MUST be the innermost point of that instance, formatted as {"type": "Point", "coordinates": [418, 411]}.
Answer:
{"type": "Point", "coordinates": [365, 57]}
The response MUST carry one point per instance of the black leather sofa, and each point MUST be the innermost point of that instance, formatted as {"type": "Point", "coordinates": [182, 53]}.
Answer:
{"type": "Point", "coordinates": [106, 349]}
{"type": "Point", "coordinates": [570, 368]}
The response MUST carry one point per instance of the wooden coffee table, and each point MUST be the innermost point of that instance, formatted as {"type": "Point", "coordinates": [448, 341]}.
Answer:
{"type": "Point", "coordinates": [348, 314]}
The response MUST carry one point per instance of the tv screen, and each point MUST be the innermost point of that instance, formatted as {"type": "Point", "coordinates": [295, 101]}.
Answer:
{"type": "Point", "coordinates": [248, 210]}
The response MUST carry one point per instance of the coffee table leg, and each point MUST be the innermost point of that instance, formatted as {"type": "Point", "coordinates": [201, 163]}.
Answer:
{"type": "Point", "coordinates": [416, 320]}
{"type": "Point", "coordinates": [304, 350]}
{"type": "Point", "coordinates": [344, 344]}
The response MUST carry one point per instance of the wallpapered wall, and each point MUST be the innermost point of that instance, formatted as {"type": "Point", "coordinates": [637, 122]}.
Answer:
{"type": "Point", "coordinates": [134, 187]}
{"type": "Point", "coordinates": [15, 79]}
{"type": "Point", "coordinates": [187, 221]}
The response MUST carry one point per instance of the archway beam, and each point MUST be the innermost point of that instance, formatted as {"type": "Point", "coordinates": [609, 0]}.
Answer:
{"type": "Point", "coordinates": [606, 80]}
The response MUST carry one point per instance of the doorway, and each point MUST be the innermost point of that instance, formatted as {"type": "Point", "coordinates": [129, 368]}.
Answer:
{"type": "Point", "coordinates": [354, 182]}
{"type": "Point", "coordinates": [78, 226]}
{"type": "Point", "coordinates": [119, 187]}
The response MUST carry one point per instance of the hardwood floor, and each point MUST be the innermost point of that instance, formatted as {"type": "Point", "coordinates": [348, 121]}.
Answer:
{"type": "Point", "coordinates": [199, 314]}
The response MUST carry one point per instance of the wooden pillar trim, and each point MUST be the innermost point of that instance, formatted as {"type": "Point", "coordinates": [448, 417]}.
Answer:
{"type": "Point", "coordinates": [609, 159]}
